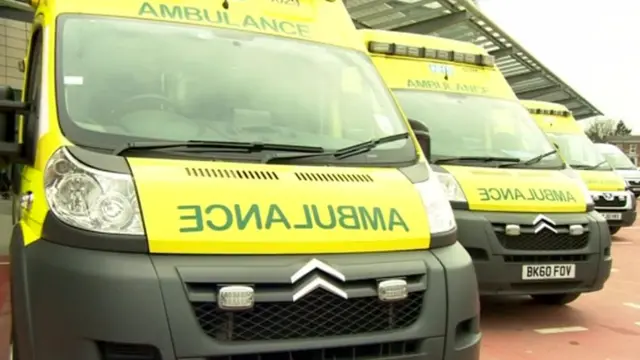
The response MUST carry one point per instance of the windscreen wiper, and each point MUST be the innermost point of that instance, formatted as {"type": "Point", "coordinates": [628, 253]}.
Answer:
{"type": "Point", "coordinates": [343, 153]}
{"type": "Point", "coordinates": [581, 166]}
{"type": "Point", "coordinates": [593, 167]}
{"type": "Point", "coordinates": [445, 160]}
{"type": "Point", "coordinates": [208, 146]}
{"type": "Point", "coordinates": [533, 160]}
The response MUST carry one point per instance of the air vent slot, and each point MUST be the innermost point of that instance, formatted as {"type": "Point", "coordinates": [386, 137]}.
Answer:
{"type": "Point", "coordinates": [231, 174]}
{"type": "Point", "coordinates": [326, 177]}
{"type": "Point", "coordinates": [120, 351]}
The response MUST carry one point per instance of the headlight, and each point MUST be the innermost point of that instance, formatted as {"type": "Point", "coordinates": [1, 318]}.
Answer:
{"type": "Point", "coordinates": [451, 187]}
{"type": "Point", "coordinates": [437, 206]}
{"type": "Point", "coordinates": [91, 199]}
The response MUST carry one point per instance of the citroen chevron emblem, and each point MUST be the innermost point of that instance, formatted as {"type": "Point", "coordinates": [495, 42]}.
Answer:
{"type": "Point", "coordinates": [540, 218]}
{"type": "Point", "coordinates": [542, 222]}
{"type": "Point", "coordinates": [316, 264]}
{"type": "Point", "coordinates": [317, 282]}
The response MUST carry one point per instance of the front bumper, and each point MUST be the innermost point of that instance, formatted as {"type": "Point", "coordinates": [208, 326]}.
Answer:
{"type": "Point", "coordinates": [71, 303]}
{"type": "Point", "coordinates": [628, 217]}
{"type": "Point", "coordinates": [499, 266]}
{"type": "Point", "coordinates": [622, 208]}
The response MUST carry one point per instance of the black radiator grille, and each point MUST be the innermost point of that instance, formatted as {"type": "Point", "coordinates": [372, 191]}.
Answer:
{"type": "Point", "coordinates": [318, 314]}
{"type": "Point", "coordinates": [545, 241]}
{"type": "Point", "coordinates": [613, 203]}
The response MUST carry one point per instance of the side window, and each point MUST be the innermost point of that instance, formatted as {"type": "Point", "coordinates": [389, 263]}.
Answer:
{"type": "Point", "coordinates": [32, 90]}
{"type": "Point", "coordinates": [32, 95]}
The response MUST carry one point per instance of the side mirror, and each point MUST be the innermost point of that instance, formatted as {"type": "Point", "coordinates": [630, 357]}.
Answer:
{"type": "Point", "coordinates": [422, 135]}
{"type": "Point", "coordinates": [9, 111]}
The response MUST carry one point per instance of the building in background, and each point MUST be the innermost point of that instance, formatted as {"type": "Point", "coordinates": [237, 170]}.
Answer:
{"type": "Point", "coordinates": [629, 144]}
{"type": "Point", "coordinates": [14, 37]}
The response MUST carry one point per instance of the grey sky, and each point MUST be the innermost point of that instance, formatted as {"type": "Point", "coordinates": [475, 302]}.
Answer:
{"type": "Point", "coordinates": [591, 45]}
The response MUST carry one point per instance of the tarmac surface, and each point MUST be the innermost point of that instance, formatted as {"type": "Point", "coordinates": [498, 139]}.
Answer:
{"type": "Point", "coordinates": [599, 326]}
{"type": "Point", "coordinates": [604, 325]}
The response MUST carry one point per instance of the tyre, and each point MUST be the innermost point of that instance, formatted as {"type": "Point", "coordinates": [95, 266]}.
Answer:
{"type": "Point", "coordinates": [614, 229]}
{"type": "Point", "coordinates": [555, 299]}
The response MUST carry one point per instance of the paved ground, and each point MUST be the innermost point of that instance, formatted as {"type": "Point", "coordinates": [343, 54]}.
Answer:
{"type": "Point", "coordinates": [599, 326]}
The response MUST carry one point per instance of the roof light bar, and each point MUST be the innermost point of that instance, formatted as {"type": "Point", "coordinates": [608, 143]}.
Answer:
{"type": "Point", "coordinates": [550, 112]}
{"type": "Point", "coordinates": [377, 47]}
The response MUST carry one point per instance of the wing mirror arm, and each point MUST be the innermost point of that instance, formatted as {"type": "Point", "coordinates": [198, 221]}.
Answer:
{"type": "Point", "coordinates": [15, 107]}
{"type": "Point", "coordinates": [421, 132]}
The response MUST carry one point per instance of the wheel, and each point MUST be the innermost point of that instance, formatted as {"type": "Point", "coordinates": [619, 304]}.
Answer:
{"type": "Point", "coordinates": [555, 299]}
{"type": "Point", "coordinates": [614, 229]}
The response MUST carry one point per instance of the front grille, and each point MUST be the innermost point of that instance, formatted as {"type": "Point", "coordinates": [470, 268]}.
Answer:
{"type": "Point", "coordinates": [538, 259]}
{"type": "Point", "coordinates": [381, 351]}
{"type": "Point", "coordinates": [544, 240]}
{"type": "Point", "coordinates": [614, 203]}
{"type": "Point", "coordinates": [318, 314]}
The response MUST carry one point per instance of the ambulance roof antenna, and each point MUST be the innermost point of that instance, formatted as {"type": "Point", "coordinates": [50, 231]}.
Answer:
{"type": "Point", "coordinates": [225, 4]}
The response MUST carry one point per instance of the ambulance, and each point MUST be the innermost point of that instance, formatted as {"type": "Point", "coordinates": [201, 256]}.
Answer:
{"type": "Point", "coordinates": [524, 216]}
{"type": "Point", "coordinates": [223, 180]}
{"type": "Point", "coordinates": [608, 189]}
{"type": "Point", "coordinates": [621, 163]}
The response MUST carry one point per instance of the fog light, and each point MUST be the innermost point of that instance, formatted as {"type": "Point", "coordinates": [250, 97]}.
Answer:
{"type": "Point", "coordinates": [512, 230]}
{"type": "Point", "coordinates": [235, 297]}
{"type": "Point", "coordinates": [576, 230]}
{"type": "Point", "coordinates": [392, 290]}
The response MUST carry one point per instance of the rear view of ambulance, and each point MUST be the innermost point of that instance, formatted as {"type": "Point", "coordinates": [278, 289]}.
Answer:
{"type": "Point", "coordinates": [525, 218]}
{"type": "Point", "coordinates": [609, 191]}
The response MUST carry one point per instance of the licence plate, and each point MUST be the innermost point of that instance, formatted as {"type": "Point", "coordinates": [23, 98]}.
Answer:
{"type": "Point", "coordinates": [612, 216]}
{"type": "Point", "coordinates": [548, 272]}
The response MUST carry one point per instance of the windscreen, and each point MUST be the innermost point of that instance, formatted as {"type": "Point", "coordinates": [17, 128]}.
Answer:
{"type": "Point", "coordinates": [121, 80]}
{"type": "Point", "coordinates": [616, 158]}
{"type": "Point", "coordinates": [466, 125]}
{"type": "Point", "coordinates": [579, 152]}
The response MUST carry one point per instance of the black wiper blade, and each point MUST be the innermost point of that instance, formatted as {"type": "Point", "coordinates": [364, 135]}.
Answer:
{"type": "Point", "coordinates": [580, 166]}
{"type": "Point", "coordinates": [343, 153]}
{"type": "Point", "coordinates": [533, 160]}
{"type": "Point", "coordinates": [593, 167]}
{"type": "Point", "coordinates": [226, 146]}
{"type": "Point", "coordinates": [445, 160]}
{"type": "Point", "coordinates": [367, 146]}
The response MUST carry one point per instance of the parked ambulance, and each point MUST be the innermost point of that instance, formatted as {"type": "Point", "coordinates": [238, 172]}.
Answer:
{"type": "Point", "coordinates": [622, 165]}
{"type": "Point", "coordinates": [197, 180]}
{"type": "Point", "coordinates": [608, 189]}
{"type": "Point", "coordinates": [525, 217]}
